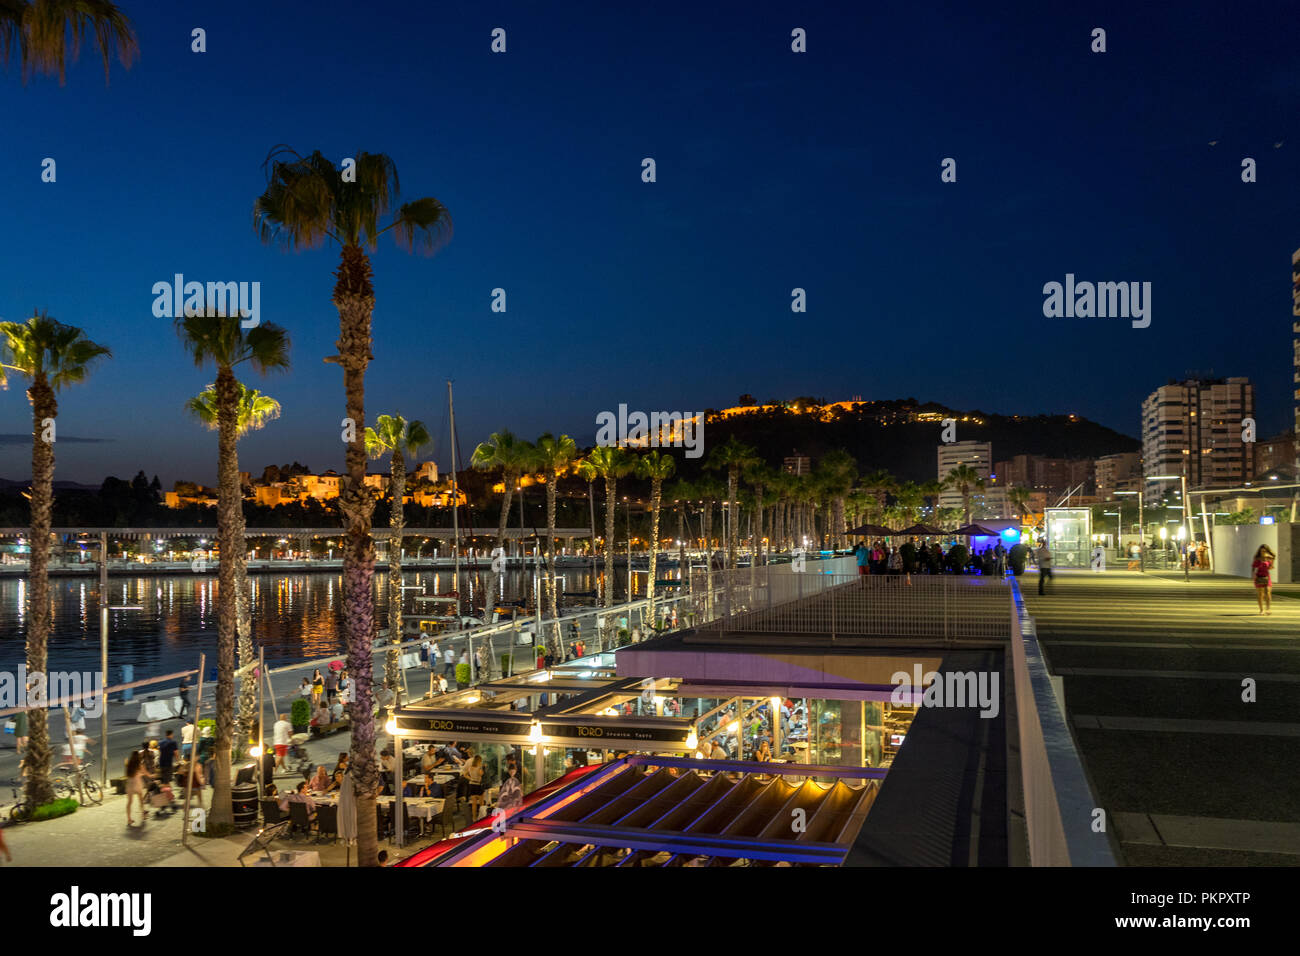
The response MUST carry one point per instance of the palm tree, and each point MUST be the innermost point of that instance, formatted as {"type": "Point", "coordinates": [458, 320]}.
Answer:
{"type": "Point", "coordinates": [555, 457]}
{"type": "Point", "coordinates": [910, 499]}
{"type": "Point", "coordinates": [46, 32]}
{"type": "Point", "coordinates": [514, 457]}
{"type": "Point", "coordinates": [1018, 496]}
{"type": "Point", "coordinates": [681, 492]}
{"type": "Point", "coordinates": [220, 340]}
{"type": "Point", "coordinates": [732, 456]}
{"type": "Point", "coordinates": [393, 434]}
{"type": "Point", "coordinates": [838, 472]}
{"type": "Point", "coordinates": [964, 479]}
{"type": "Point", "coordinates": [585, 470]}
{"type": "Point", "coordinates": [709, 490]}
{"type": "Point", "coordinates": [879, 484]}
{"type": "Point", "coordinates": [610, 463]}
{"type": "Point", "coordinates": [656, 466]}
{"type": "Point", "coordinates": [307, 203]}
{"type": "Point", "coordinates": [757, 475]}
{"type": "Point", "coordinates": [50, 355]}
{"type": "Point", "coordinates": [255, 410]}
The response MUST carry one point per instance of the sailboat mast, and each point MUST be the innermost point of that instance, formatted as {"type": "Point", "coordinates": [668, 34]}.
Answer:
{"type": "Point", "coordinates": [455, 506]}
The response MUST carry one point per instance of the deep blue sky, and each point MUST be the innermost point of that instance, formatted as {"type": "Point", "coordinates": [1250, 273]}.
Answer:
{"type": "Point", "coordinates": [775, 170]}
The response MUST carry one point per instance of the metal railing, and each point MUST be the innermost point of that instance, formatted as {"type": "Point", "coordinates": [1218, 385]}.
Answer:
{"type": "Point", "coordinates": [945, 607]}
{"type": "Point", "coordinates": [1060, 807]}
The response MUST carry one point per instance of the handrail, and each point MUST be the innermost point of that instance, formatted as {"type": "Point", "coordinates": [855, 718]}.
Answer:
{"type": "Point", "coordinates": [1060, 806]}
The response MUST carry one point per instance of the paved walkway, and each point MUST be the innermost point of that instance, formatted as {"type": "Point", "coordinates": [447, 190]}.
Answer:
{"type": "Point", "coordinates": [1154, 669]}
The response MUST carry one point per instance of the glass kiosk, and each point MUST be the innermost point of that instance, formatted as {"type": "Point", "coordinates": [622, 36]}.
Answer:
{"type": "Point", "coordinates": [1069, 536]}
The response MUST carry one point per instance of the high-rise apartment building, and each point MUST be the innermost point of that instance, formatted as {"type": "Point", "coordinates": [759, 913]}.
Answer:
{"type": "Point", "coordinates": [991, 502]}
{"type": "Point", "coordinates": [1194, 428]}
{"type": "Point", "coordinates": [1052, 475]}
{"type": "Point", "coordinates": [1116, 473]}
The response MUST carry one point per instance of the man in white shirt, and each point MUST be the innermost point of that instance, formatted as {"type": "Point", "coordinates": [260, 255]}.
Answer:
{"type": "Point", "coordinates": [1044, 566]}
{"type": "Point", "coordinates": [187, 739]}
{"type": "Point", "coordinates": [280, 734]}
{"type": "Point", "coordinates": [449, 662]}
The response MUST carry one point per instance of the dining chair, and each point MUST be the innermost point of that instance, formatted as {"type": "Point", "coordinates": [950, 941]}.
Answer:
{"type": "Point", "coordinates": [298, 816]}
{"type": "Point", "coordinates": [271, 812]}
{"type": "Point", "coordinates": [327, 821]}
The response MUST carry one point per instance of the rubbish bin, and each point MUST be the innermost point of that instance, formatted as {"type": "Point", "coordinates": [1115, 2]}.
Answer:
{"type": "Point", "coordinates": [243, 804]}
{"type": "Point", "coordinates": [128, 675]}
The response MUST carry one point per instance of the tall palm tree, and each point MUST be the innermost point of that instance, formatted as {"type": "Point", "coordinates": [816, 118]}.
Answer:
{"type": "Point", "coordinates": [513, 457]}
{"type": "Point", "coordinates": [838, 470]}
{"type": "Point", "coordinates": [681, 492]}
{"type": "Point", "coordinates": [255, 410]}
{"type": "Point", "coordinates": [51, 356]}
{"type": "Point", "coordinates": [879, 483]}
{"type": "Point", "coordinates": [964, 479]}
{"type": "Point", "coordinates": [656, 466]}
{"type": "Point", "coordinates": [610, 463]}
{"type": "Point", "coordinates": [393, 434]}
{"type": "Point", "coordinates": [732, 456]}
{"type": "Point", "coordinates": [709, 490]}
{"type": "Point", "coordinates": [1018, 496]}
{"type": "Point", "coordinates": [585, 470]}
{"type": "Point", "coordinates": [758, 475]}
{"type": "Point", "coordinates": [910, 500]}
{"type": "Point", "coordinates": [46, 32]}
{"type": "Point", "coordinates": [307, 203]}
{"type": "Point", "coordinates": [555, 457]}
{"type": "Point", "coordinates": [219, 340]}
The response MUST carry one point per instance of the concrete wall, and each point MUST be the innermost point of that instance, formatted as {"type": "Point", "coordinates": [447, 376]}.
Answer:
{"type": "Point", "coordinates": [1235, 546]}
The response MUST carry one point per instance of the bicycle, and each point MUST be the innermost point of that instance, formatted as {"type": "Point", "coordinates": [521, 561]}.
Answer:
{"type": "Point", "coordinates": [76, 780]}
{"type": "Point", "coordinates": [20, 812]}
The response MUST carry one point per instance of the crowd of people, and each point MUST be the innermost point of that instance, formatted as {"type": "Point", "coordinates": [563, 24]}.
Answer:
{"type": "Point", "coordinates": [921, 558]}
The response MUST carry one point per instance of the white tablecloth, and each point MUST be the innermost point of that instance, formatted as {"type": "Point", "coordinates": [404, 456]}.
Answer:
{"type": "Point", "coordinates": [158, 709]}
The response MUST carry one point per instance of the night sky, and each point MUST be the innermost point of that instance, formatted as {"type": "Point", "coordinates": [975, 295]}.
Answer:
{"type": "Point", "coordinates": [775, 170]}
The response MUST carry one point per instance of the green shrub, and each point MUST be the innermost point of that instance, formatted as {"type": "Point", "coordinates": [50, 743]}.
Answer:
{"type": "Point", "coordinates": [207, 727]}
{"type": "Point", "coordinates": [300, 713]}
{"type": "Point", "coordinates": [1018, 557]}
{"type": "Point", "coordinates": [958, 555]}
{"type": "Point", "coordinates": [462, 673]}
{"type": "Point", "coordinates": [505, 665]}
{"type": "Point", "coordinates": [58, 808]}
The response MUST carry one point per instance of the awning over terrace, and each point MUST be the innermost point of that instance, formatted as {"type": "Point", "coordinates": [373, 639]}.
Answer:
{"type": "Point", "coordinates": [656, 811]}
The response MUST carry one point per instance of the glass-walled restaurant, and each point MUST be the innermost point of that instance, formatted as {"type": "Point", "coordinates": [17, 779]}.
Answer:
{"type": "Point", "coordinates": [548, 722]}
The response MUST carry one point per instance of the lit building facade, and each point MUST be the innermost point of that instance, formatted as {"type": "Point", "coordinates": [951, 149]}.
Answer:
{"type": "Point", "coordinates": [1193, 428]}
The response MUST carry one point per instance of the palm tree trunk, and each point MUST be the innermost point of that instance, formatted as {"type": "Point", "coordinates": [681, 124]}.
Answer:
{"type": "Point", "coordinates": [552, 479]}
{"type": "Point", "coordinates": [656, 494]}
{"type": "Point", "coordinates": [228, 526]}
{"type": "Point", "coordinates": [683, 569]}
{"type": "Point", "coordinates": [247, 717]}
{"type": "Point", "coordinates": [708, 560]}
{"type": "Point", "coordinates": [354, 297]}
{"type": "Point", "coordinates": [396, 521]}
{"type": "Point", "coordinates": [611, 487]}
{"type": "Point", "coordinates": [39, 789]}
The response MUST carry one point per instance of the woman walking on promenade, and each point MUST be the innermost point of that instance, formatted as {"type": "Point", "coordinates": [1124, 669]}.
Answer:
{"type": "Point", "coordinates": [1261, 567]}
{"type": "Point", "coordinates": [136, 777]}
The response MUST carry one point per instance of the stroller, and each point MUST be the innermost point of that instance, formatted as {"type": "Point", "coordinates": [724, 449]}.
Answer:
{"type": "Point", "coordinates": [162, 799]}
{"type": "Point", "coordinates": [297, 760]}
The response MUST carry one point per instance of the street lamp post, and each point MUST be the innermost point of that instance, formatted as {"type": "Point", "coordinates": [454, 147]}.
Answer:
{"type": "Point", "coordinates": [104, 608]}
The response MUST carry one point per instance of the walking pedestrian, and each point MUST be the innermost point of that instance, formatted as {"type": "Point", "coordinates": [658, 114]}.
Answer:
{"type": "Point", "coordinates": [280, 734]}
{"type": "Point", "coordinates": [1261, 568]}
{"type": "Point", "coordinates": [317, 689]}
{"type": "Point", "coordinates": [863, 557]}
{"type": "Point", "coordinates": [166, 757]}
{"type": "Point", "coordinates": [331, 684]}
{"type": "Point", "coordinates": [136, 785]}
{"type": "Point", "coordinates": [184, 691]}
{"type": "Point", "coordinates": [20, 740]}
{"type": "Point", "coordinates": [449, 661]}
{"type": "Point", "coordinates": [187, 739]}
{"type": "Point", "coordinates": [1044, 556]}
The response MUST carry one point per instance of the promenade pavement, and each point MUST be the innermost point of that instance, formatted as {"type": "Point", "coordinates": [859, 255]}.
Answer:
{"type": "Point", "coordinates": [1156, 673]}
